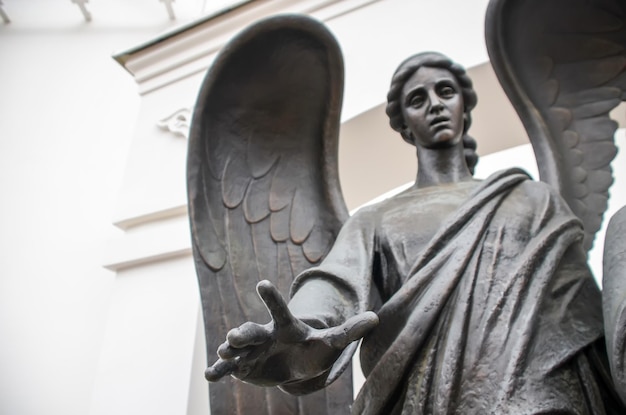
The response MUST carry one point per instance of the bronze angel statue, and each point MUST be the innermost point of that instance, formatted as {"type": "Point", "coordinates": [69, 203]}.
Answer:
{"type": "Point", "coordinates": [469, 296]}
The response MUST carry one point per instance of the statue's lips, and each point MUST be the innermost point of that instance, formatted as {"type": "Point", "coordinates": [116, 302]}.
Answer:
{"type": "Point", "coordinates": [440, 122]}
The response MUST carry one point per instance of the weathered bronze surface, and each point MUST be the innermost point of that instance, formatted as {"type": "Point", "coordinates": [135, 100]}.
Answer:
{"type": "Point", "coordinates": [471, 297]}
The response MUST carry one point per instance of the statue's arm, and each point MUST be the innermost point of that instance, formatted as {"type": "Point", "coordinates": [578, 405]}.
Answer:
{"type": "Point", "coordinates": [338, 291]}
{"type": "Point", "coordinates": [341, 286]}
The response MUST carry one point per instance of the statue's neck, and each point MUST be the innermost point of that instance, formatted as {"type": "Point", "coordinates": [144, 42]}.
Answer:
{"type": "Point", "coordinates": [441, 166]}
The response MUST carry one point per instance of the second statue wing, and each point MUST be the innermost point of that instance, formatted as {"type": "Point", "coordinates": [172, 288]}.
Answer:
{"type": "Point", "coordinates": [563, 65]}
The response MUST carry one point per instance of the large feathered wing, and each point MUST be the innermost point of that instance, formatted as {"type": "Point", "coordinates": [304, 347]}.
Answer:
{"type": "Point", "coordinates": [562, 63]}
{"type": "Point", "coordinates": [264, 195]}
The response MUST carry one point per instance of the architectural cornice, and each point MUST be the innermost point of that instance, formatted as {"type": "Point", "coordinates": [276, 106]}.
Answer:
{"type": "Point", "coordinates": [192, 48]}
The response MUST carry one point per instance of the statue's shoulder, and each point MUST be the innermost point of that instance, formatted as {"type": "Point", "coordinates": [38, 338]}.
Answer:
{"type": "Point", "coordinates": [536, 189]}
{"type": "Point", "coordinates": [368, 212]}
{"type": "Point", "coordinates": [534, 195]}
{"type": "Point", "coordinates": [527, 187]}
{"type": "Point", "coordinates": [372, 214]}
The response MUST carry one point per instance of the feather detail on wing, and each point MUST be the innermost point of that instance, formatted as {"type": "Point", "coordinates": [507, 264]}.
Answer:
{"type": "Point", "coordinates": [264, 195]}
{"type": "Point", "coordinates": [563, 65]}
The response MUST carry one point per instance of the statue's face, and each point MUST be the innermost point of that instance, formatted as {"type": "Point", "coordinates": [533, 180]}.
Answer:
{"type": "Point", "coordinates": [432, 106]}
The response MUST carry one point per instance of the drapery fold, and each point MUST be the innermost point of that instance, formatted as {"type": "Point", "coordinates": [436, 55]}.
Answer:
{"type": "Point", "coordinates": [444, 346]}
{"type": "Point", "coordinates": [495, 314]}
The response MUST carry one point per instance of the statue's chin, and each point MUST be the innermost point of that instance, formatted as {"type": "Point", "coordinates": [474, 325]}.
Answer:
{"type": "Point", "coordinates": [443, 139]}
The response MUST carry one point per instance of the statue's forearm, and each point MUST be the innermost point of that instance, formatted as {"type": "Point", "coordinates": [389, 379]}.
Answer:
{"type": "Point", "coordinates": [322, 303]}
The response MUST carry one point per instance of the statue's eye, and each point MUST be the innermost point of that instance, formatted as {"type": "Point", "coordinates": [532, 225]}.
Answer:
{"type": "Point", "coordinates": [416, 100]}
{"type": "Point", "coordinates": [447, 92]}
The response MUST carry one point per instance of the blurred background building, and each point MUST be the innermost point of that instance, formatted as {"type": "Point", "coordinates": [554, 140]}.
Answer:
{"type": "Point", "coordinates": [99, 307]}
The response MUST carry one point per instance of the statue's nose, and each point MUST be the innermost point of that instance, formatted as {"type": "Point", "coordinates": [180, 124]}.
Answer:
{"type": "Point", "coordinates": [436, 106]}
{"type": "Point", "coordinates": [435, 102]}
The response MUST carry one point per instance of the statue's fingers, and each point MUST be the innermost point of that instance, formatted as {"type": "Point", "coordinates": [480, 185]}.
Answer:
{"type": "Point", "coordinates": [248, 334]}
{"type": "Point", "coordinates": [227, 352]}
{"type": "Point", "coordinates": [353, 329]}
{"type": "Point", "coordinates": [275, 304]}
{"type": "Point", "coordinates": [220, 369]}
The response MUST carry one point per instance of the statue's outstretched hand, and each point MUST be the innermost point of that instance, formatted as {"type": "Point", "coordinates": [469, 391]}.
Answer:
{"type": "Point", "coordinates": [285, 349]}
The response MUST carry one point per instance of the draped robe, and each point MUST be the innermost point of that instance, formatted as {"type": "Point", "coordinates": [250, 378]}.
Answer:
{"type": "Point", "coordinates": [499, 313]}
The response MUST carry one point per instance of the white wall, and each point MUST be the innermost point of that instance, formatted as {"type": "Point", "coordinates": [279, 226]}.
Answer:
{"type": "Point", "coordinates": [67, 112]}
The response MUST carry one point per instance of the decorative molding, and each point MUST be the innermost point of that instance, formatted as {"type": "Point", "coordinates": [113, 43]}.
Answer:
{"type": "Point", "coordinates": [177, 123]}
{"type": "Point", "coordinates": [161, 237]}
{"type": "Point", "coordinates": [149, 217]}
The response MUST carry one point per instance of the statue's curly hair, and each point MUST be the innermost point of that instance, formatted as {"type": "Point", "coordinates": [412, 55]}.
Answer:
{"type": "Point", "coordinates": [432, 60]}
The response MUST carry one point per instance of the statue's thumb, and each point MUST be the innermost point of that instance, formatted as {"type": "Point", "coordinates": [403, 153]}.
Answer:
{"type": "Point", "coordinates": [219, 369]}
